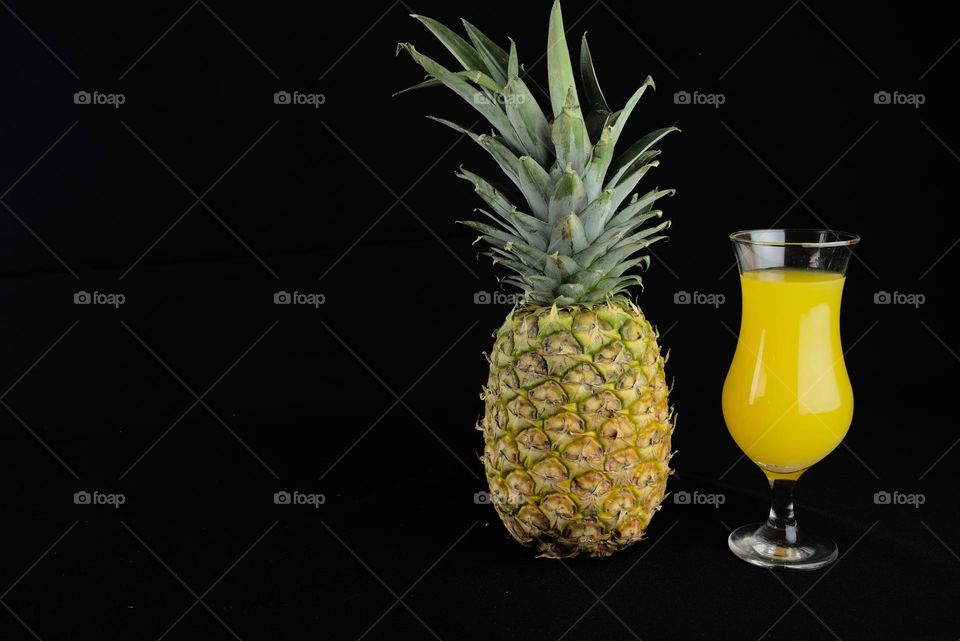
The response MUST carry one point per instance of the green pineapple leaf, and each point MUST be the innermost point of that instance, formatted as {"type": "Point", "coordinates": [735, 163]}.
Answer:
{"type": "Point", "coordinates": [525, 115]}
{"type": "Point", "coordinates": [475, 97]}
{"type": "Point", "coordinates": [536, 185]}
{"type": "Point", "coordinates": [633, 156]}
{"type": "Point", "coordinates": [622, 116]}
{"type": "Point", "coordinates": [596, 170]}
{"type": "Point", "coordinates": [597, 112]}
{"type": "Point", "coordinates": [465, 54]}
{"type": "Point", "coordinates": [570, 138]}
{"type": "Point", "coordinates": [559, 69]}
{"type": "Point", "coordinates": [494, 57]}
{"type": "Point", "coordinates": [568, 196]}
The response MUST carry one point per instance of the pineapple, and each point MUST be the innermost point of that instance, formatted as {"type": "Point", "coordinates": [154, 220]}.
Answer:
{"type": "Point", "coordinates": [577, 423]}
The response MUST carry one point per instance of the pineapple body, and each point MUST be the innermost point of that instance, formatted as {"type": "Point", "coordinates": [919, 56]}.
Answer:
{"type": "Point", "coordinates": [577, 427]}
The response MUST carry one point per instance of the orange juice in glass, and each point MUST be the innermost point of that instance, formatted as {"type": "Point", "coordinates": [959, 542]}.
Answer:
{"type": "Point", "coordinates": [787, 399]}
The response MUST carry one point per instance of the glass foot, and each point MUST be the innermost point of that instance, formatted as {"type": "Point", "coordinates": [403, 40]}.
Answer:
{"type": "Point", "coordinates": [789, 548]}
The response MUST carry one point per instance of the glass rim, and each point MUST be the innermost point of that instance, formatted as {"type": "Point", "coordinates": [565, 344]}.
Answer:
{"type": "Point", "coordinates": [841, 238]}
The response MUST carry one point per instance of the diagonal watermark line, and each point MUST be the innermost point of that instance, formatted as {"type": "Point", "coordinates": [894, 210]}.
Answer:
{"type": "Point", "coordinates": [859, 460]}
{"type": "Point", "coordinates": [949, 549]}
{"type": "Point", "coordinates": [39, 240]}
{"type": "Point", "coordinates": [240, 440]}
{"type": "Point", "coordinates": [805, 605]}
{"type": "Point", "coordinates": [380, 580]}
{"type": "Point", "coordinates": [157, 41]}
{"type": "Point", "coordinates": [39, 158]}
{"type": "Point", "coordinates": [240, 558]}
{"type": "Point", "coordinates": [199, 199]}
{"type": "Point", "coordinates": [198, 599]}
{"type": "Point", "coordinates": [39, 440]}
{"type": "Point", "coordinates": [22, 622]}
{"type": "Point", "coordinates": [241, 241]}
{"type": "Point", "coordinates": [396, 202]}
{"type": "Point", "coordinates": [397, 401]}
{"type": "Point", "coordinates": [199, 399]}
{"type": "Point", "coordinates": [818, 580]}
{"type": "Point", "coordinates": [818, 19]}
{"type": "Point", "coordinates": [954, 354]}
{"type": "Point", "coordinates": [940, 340]}
{"type": "Point", "coordinates": [940, 140]}
{"type": "Point", "coordinates": [663, 262]}
{"type": "Point", "coordinates": [800, 199]}
{"type": "Point", "coordinates": [357, 41]}
{"type": "Point", "coordinates": [601, 601]}
{"type": "Point", "coordinates": [757, 41]}
{"type": "Point", "coordinates": [761, 160]}
{"type": "Point", "coordinates": [957, 157]}
{"type": "Point", "coordinates": [674, 324]}
{"type": "Point", "coordinates": [639, 39]}
{"type": "Point", "coordinates": [795, 595]}
{"type": "Point", "coordinates": [399, 199]}
{"type": "Point", "coordinates": [239, 159]}
{"type": "Point", "coordinates": [837, 161]}
{"type": "Point", "coordinates": [861, 337]}
{"type": "Point", "coordinates": [222, 175]}
{"type": "Point", "coordinates": [25, 573]}
{"type": "Point", "coordinates": [839, 39]}
{"type": "Point", "coordinates": [40, 358]}
{"type": "Point", "coordinates": [415, 583]}
{"type": "Point", "coordinates": [399, 398]}
{"type": "Point", "coordinates": [622, 576]}
{"type": "Point", "coordinates": [239, 39]}
{"type": "Point", "coordinates": [158, 440]}
{"type": "Point", "coordinates": [40, 558]}
{"type": "Point", "coordinates": [159, 159]}
{"type": "Point", "coordinates": [939, 258]}
{"type": "Point", "coordinates": [17, 182]}
{"type": "Point", "coordinates": [939, 458]}
{"type": "Point", "coordinates": [937, 61]}
{"type": "Point", "coordinates": [242, 356]}
{"type": "Point", "coordinates": [40, 40]}
{"type": "Point", "coordinates": [158, 240]}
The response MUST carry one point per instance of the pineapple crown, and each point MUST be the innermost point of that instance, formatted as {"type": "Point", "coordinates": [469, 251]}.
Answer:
{"type": "Point", "coordinates": [583, 225]}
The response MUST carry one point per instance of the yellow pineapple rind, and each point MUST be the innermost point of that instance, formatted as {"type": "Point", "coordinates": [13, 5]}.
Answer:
{"type": "Point", "coordinates": [577, 427]}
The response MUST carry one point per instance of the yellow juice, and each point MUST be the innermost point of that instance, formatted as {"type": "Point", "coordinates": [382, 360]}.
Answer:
{"type": "Point", "coordinates": [787, 399]}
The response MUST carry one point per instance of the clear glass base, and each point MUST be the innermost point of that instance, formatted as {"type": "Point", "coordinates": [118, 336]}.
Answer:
{"type": "Point", "coordinates": [788, 548]}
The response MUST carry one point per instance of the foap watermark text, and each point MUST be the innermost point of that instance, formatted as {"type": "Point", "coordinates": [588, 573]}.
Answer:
{"type": "Point", "coordinates": [296, 497]}
{"type": "Point", "coordinates": [298, 98]}
{"type": "Point", "coordinates": [699, 498]}
{"type": "Point", "coordinates": [498, 99]}
{"type": "Point", "coordinates": [698, 298]}
{"type": "Point", "coordinates": [99, 298]}
{"type": "Point", "coordinates": [899, 498]}
{"type": "Point", "coordinates": [99, 98]}
{"type": "Point", "coordinates": [99, 498]}
{"type": "Point", "coordinates": [899, 298]}
{"type": "Point", "coordinates": [299, 298]}
{"type": "Point", "coordinates": [497, 298]}
{"type": "Point", "coordinates": [898, 98]}
{"type": "Point", "coordinates": [698, 98]}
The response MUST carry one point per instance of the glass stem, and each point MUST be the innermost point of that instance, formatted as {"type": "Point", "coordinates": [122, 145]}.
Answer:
{"type": "Point", "coordinates": [781, 508]}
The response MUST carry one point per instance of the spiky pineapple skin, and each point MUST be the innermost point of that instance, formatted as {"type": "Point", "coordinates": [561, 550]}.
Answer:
{"type": "Point", "coordinates": [577, 427]}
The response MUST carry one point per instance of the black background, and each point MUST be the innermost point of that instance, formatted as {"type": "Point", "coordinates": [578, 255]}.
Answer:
{"type": "Point", "coordinates": [371, 398]}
